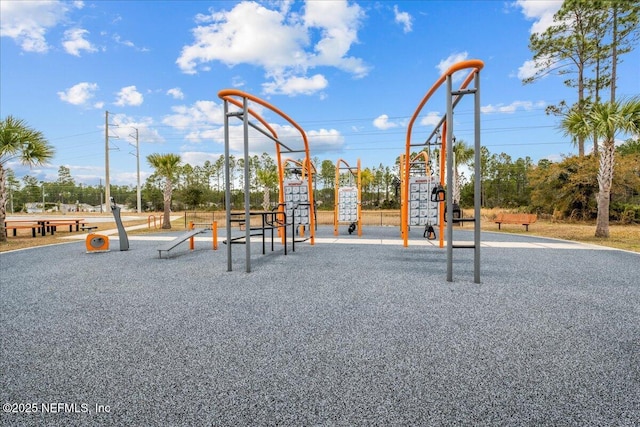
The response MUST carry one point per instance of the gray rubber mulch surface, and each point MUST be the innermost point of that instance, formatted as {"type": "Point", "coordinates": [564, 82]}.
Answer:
{"type": "Point", "coordinates": [331, 334]}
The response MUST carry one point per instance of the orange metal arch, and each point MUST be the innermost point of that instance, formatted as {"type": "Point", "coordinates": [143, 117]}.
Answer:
{"type": "Point", "coordinates": [307, 167]}
{"type": "Point", "coordinates": [475, 65]}
{"type": "Point", "coordinates": [231, 95]}
{"type": "Point", "coordinates": [425, 157]}
{"type": "Point", "coordinates": [227, 94]}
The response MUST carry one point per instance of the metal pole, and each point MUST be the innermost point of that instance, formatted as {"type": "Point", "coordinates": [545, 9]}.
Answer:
{"type": "Point", "coordinates": [247, 184]}
{"type": "Point", "coordinates": [448, 195]}
{"type": "Point", "coordinates": [477, 184]}
{"type": "Point", "coordinates": [107, 191]}
{"type": "Point", "coordinates": [227, 188]}
{"type": "Point", "coordinates": [138, 192]}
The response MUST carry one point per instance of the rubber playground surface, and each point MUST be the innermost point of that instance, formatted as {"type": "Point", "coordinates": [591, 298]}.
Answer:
{"type": "Point", "coordinates": [349, 331]}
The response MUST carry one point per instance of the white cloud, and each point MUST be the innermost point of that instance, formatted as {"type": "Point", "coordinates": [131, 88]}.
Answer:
{"type": "Point", "coordinates": [249, 33]}
{"type": "Point", "coordinates": [323, 140]}
{"type": "Point", "coordinates": [128, 43]}
{"type": "Point", "coordinates": [125, 129]}
{"type": "Point", "coordinates": [403, 18]}
{"type": "Point", "coordinates": [382, 122]}
{"type": "Point", "coordinates": [203, 122]}
{"type": "Point", "coordinates": [176, 93]}
{"type": "Point", "coordinates": [200, 114]}
{"type": "Point", "coordinates": [454, 58]}
{"type": "Point", "coordinates": [296, 85]}
{"type": "Point", "coordinates": [539, 11]}
{"type": "Point", "coordinates": [513, 107]}
{"type": "Point", "coordinates": [129, 96]}
{"type": "Point", "coordinates": [280, 41]}
{"type": "Point", "coordinates": [339, 23]}
{"type": "Point", "coordinates": [432, 118]}
{"type": "Point", "coordinates": [119, 40]}
{"type": "Point", "coordinates": [217, 135]}
{"type": "Point", "coordinates": [79, 94]}
{"type": "Point", "coordinates": [237, 81]}
{"type": "Point", "coordinates": [527, 70]}
{"type": "Point", "coordinates": [531, 67]}
{"type": "Point", "coordinates": [27, 22]}
{"type": "Point", "coordinates": [74, 42]}
{"type": "Point", "coordinates": [197, 158]}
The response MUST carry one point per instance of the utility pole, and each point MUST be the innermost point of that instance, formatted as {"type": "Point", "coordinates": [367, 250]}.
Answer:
{"type": "Point", "coordinates": [107, 191]}
{"type": "Point", "coordinates": [107, 188]}
{"type": "Point", "coordinates": [138, 194]}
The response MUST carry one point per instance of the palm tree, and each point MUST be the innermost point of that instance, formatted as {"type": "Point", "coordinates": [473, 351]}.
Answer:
{"type": "Point", "coordinates": [24, 144]}
{"type": "Point", "coordinates": [605, 121]}
{"type": "Point", "coordinates": [267, 177]}
{"type": "Point", "coordinates": [166, 166]}
{"type": "Point", "coordinates": [462, 155]}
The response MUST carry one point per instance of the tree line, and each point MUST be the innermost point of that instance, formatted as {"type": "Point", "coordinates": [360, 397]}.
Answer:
{"type": "Point", "coordinates": [565, 189]}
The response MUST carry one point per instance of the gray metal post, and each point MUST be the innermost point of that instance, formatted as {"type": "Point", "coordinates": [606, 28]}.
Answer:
{"type": "Point", "coordinates": [448, 193]}
{"type": "Point", "coordinates": [477, 184]}
{"type": "Point", "coordinates": [247, 187]}
{"type": "Point", "coordinates": [227, 186]}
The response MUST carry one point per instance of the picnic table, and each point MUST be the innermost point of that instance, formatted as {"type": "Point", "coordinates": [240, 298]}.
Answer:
{"type": "Point", "coordinates": [43, 225]}
{"type": "Point", "coordinates": [53, 224]}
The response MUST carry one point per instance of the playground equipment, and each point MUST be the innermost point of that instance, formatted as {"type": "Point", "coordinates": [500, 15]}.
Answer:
{"type": "Point", "coordinates": [444, 129]}
{"type": "Point", "coordinates": [157, 219]}
{"type": "Point", "coordinates": [122, 233]}
{"type": "Point", "coordinates": [190, 234]}
{"type": "Point", "coordinates": [296, 204]}
{"type": "Point", "coordinates": [97, 243]}
{"type": "Point", "coordinates": [425, 194]}
{"type": "Point", "coordinates": [302, 170]}
{"type": "Point", "coordinates": [348, 198]}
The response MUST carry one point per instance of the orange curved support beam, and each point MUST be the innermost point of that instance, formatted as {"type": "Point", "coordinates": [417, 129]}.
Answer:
{"type": "Point", "coordinates": [228, 94]}
{"type": "Point", "coordinates": [255, 115]}
{"type": "Point", "coordinates": [231, 95]}
{"type": "Point", "coordinates": [306, 166]}
{"type": "Point", "coordinates": [425, 157]}
{"type": "Point", "coordinates": [475, 65]}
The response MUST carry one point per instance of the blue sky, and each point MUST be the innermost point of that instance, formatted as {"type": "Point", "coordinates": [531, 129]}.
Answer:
{"type": "Point", "coordinates": [350, 73]}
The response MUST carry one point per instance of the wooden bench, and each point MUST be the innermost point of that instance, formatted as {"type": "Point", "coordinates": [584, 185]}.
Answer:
{"type": "Point", "coordinates": [15, 227]}
{"type": "Point", "coordinates": [516, 218]}
{"type": "Point", "coordinates": [89, 228]}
